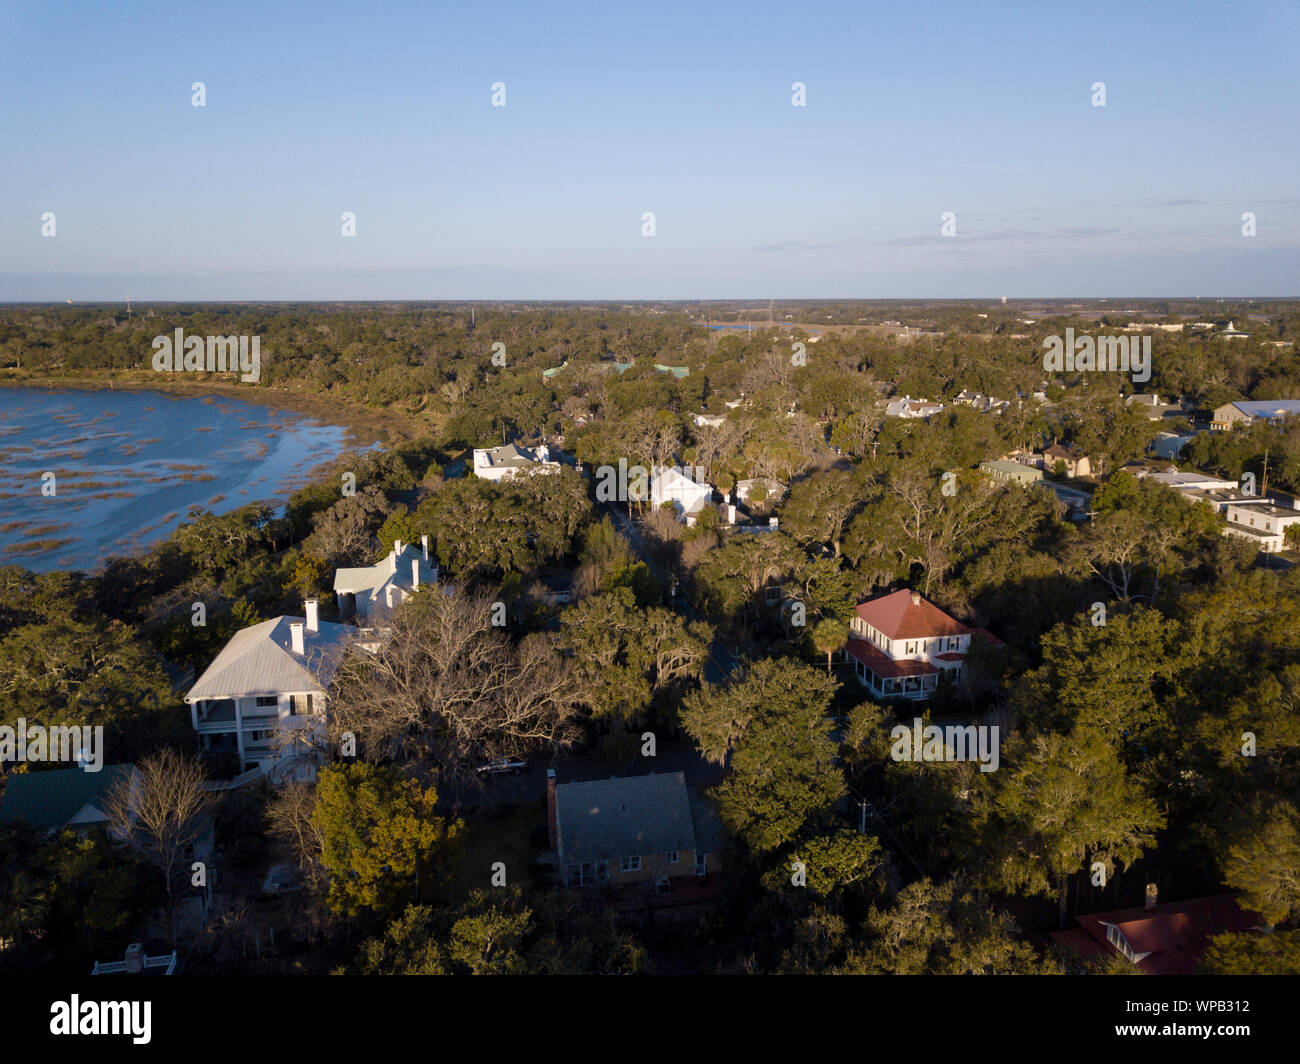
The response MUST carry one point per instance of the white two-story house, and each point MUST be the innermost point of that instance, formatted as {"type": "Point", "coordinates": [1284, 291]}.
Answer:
{"type": "Point", "coordinates": [669, 484]}
{"type": "Point", "coordinates": [1264, 524]}
{"type": "Point", "coordinates": [502, 463]}
{"type": "Point", "coordinates": [263, 697]}
{"type": "Point", "coordinates": [372, 592]}
{"type": "Point", "coordinates": [901, 644]}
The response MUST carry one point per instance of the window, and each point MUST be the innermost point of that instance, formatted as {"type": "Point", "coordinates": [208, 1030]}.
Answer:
{"type": "Point", "coordinates": [267, 700]}
{"type": "Point", "coordinates": [631, 864]}
{"type": "Point", "coordinates": [701, 862]}
{"type": "Point", "coordinates": [662, 886]}
{"type": "Point", "coordinates": [1116, 938]}
{"type": "Point", "coordinates": [670, 857]}
{"type": "Point", "coordinates": [299, 705]}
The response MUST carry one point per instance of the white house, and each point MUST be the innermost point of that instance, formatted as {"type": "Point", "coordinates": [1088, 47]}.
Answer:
{"type": "Point", "coordinates": [268, 683]}
{"type": "Point", "coordinates": [1263, 525]}
{"type": "Point", "coordinates": [502, 463]}
{"type": "Point", "coordinates": [907, 407]}
{"type": "Point", "coordinates": [689, 497]}
{"type": "Point", "coordinates": [1189, 481]}
{"type": "Point", "coordinates": [371, 592]}
{"type": "Point", "coordinates": [900, 645]}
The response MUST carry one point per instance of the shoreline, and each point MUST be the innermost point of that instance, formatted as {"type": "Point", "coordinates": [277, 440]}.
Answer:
{"type": "Point", "coordinates": [359, 434]}
{"type": "Point", "coordinates": [364, 426]}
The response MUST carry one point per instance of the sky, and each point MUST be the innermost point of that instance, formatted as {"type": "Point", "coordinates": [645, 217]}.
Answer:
{"type": "Point", "coordinates": [912, 111]}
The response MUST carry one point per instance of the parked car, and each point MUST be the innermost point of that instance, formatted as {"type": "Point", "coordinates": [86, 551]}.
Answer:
{"type": "Point", "coordinates": [499, 765]}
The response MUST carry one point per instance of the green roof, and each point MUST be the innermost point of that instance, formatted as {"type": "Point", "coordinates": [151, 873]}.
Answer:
{"type": "Point", "coordinates": [50, 799]}
{"type": "Point", "coordinates": [677, 371]}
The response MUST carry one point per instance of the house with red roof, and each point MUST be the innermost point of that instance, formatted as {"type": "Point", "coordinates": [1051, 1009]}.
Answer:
{"type": "Point", "coordinates": [901, 644]}
{"type": "Point", "coordinates": [1160, 939]}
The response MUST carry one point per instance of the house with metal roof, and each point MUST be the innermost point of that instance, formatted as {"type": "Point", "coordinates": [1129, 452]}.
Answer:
{"type": "Point", "coordinates": [901, 645]}
{"type": "Point", "coordinates": [1248, 411]}
{"type": "Point", "coordinates": [511, 460]}
{"type": "Point", "coordinates": [648, 831]}
{"type": "Point", "coordinates": [263, 697]}
{"type": "Point", "coordinates": [1004, 471]}
{"type": "Point", "coordinates": [371, 592]}
{"type": "Point", "coordinates": [61, 798]}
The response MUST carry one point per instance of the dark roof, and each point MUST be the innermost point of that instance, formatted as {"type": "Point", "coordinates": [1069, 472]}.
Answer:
{"type": "Point", "coordinates": [51, 799]}
{"type": "Point", "coordinates": [600, 820]}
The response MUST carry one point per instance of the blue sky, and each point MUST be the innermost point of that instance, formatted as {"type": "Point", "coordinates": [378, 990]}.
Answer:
{"type": "Point", "coordinates": [384, 110]}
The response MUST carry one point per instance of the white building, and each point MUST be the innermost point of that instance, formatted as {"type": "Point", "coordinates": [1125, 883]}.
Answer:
{"type": "Point", "coordinates": [901, 644]}
{"type": "Point", "coordinates": [1264, 526]}
{"type": "Point", "coordinates": [267, 684]}
{"type": "Point", "coordinates": [907, 407]}
{"type": "Point", "coordinates": [1188, 481]}
{"type": "Point", "coordinates": [502, 463]}
{"type": "Point", "coordinates": [670, 484]}
{"type": "Point", "coordinates": [372, 592]}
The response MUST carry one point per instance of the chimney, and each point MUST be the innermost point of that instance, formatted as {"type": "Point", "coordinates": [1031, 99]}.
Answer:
{"type": "Point", "coordinates": [424, 542]}
{"type": "Point", "coordinates": [916, 598]}
{"type": "Point", "coordinates": [415, 572]}
{"type": "Point", "coordinates": [397, 547]}
{"type": "Point", "coordinates": [295, 638]}
{"type": "Point", "coordinates": [134, 958]}
{"type": "Point", "coordinates": [731, 514]}
{"type": "Point", "coordinates": [552, 821]}
{"type": "Point", "coordinates": [772, 522]}
{"type": "Point", "coordinates": [313, 616]}
{"type": "Point", "coordinates": [1152, 893]}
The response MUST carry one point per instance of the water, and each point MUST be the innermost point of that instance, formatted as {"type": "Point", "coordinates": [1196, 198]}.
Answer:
{"type": "Point", "coordinates": [129, 465]}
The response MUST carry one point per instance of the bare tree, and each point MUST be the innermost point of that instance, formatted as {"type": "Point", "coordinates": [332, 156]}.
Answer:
{"type": "Point", "coordinates": [160, 812]}
{"type": "Point", "coordinates": [289, 820]}
{"type": "Point", "coordinates": [450, 686]}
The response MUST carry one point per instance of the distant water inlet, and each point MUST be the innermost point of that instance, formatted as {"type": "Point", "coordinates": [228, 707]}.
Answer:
{"type": "Point", "coordinates": [89, 475]}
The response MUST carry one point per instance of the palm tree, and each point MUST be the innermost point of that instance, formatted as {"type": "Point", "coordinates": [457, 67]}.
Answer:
{"type": "Point", "coordinates": [830, 635]}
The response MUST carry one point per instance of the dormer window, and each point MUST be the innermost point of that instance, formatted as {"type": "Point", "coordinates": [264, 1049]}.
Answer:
{"type": "Point", "coordinates": [1116, 938]}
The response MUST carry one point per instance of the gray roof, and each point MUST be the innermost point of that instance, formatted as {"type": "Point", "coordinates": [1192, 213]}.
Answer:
{"type": "Point", "coordinates": [373, 578]}
{"type": "Point", "coordinates": [1267, 408]}
{"type": "Point", "coordinates": [510, 455]}
{"type": "Point", "coordinates": [602, 820]}
{"type": "Point", "coordinates": [259, 661]}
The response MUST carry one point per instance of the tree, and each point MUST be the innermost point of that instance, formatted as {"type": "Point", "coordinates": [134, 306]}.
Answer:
{"type": "Point", "coordinates": [380, 835]}
{"type": "Point", "coordinates": [1252, 953]}
{"type": "Point", "coordinates": [72, 672]}
{"type": "Point", "coordinates": [408, 946]}
{"type": "Point", "coordinates": [624, 658]}
{"type": "Point", "coordinates": [161, 812]}
{"type": "Point", "coordinates": [830, 635]}
{"type": "Point", "coordinates": [782, 772]}
{"type": "Point", "coordinates": [820, 505]}
{"type": "Point", "coordinates": [486, 939]}
{"type": "Point", "coordinates": [942, 929]}
{"type": "Point", "coordinates": [451, 686]}
{"type": "Point", "coordinates": [1066, 805]}
{"type": "Point", "coordinates": [1265, 865]}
